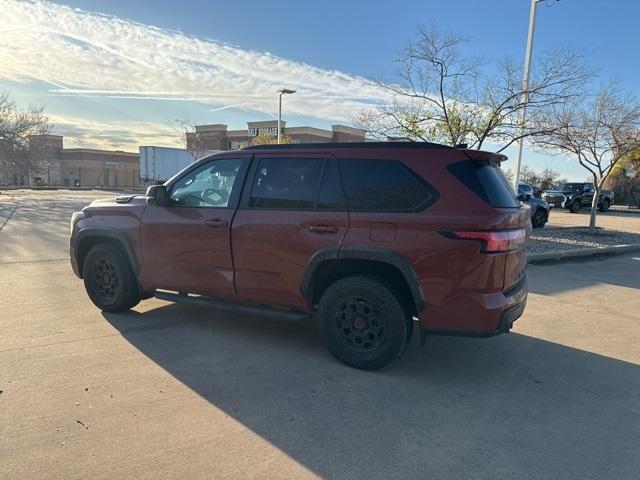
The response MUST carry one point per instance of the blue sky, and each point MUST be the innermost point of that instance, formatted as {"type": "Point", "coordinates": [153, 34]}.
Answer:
{"type": "Point", "coordinates": [326, 49]}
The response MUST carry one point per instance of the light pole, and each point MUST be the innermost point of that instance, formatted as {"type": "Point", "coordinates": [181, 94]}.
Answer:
{"type": "Point", "coordinates": [525, 88]}
{"type": "Point", "coordinates": [284, 91]}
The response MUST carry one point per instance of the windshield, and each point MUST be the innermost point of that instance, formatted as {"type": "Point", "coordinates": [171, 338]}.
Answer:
{"type": "Point", "coordinates": [525, 188]}
{"type": "Point", "coordinates": [570, 187]}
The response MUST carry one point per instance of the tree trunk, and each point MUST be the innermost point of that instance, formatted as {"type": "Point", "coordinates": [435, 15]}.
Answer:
{"type": "Point", "coordinates": [594, 209]}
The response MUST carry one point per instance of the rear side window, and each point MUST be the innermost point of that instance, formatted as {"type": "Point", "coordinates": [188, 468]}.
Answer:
{"type": "Point", "coordinates": [487, 181]}
{"type": "Point", "coordinates": [297, 184]}
{"type": "Point", "coordinates": [286, 183]}
{"type": "Point", "coordinates": [384, 186]}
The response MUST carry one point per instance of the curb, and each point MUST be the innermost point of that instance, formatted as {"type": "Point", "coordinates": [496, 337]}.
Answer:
{"type": "Point", "coordinates": [582, 253]}
{"type": "Point", "coordinates": [625, 211]}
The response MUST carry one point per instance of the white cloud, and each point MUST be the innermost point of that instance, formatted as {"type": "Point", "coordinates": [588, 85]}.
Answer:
{"type": "Point", "coordinates": [127, 136]}
{"type": "Point", "coordinates": [82, 53]}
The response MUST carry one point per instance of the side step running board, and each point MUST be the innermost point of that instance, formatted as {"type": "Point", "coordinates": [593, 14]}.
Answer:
{"type": "Point", "coordinates": [226, 306]}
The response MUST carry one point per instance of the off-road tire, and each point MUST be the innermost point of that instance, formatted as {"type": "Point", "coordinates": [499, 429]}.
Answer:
{"type": "Point", "coordinates": [362, 323]}
{"type": "Point", "coordinates": [109, 279]}
{"type": "Point", "coordinates": [605, 205]}
{"type": "Point", "coordinates": [539, 218]}
{"type": "Point", "coordinates": [575, 207]}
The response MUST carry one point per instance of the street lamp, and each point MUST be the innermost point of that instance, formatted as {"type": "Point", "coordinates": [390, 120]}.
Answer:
{"type": "Point", "coordinates": [284, 91]}
{"type": "Point", "coordinates": [525, 88]}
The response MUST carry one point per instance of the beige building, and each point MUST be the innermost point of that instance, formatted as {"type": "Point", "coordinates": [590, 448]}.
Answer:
{"type": "Point", "coordinates": [52, 164]}
{"type": "Point", "coordinates": [217, 137]}
{"type": "Point", "coordinates": [79, 167]}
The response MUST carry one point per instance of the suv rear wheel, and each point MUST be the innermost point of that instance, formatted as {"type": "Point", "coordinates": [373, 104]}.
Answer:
{"type": "Point", "coordinates": [109, 279]}
{"type": "Point", "coordinates": [362, 323]}
{"type": "Point", "coordinates": [605, 205]}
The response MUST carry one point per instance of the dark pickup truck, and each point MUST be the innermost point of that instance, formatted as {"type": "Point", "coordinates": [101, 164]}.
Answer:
{"type": "Point", "coordinates": [574, 196]}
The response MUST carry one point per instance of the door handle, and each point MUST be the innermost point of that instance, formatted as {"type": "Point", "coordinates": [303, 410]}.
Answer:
{"type": "Point", "coordinates": [323, 229]}
{"type": "Point", "coordinates": [216, 223]}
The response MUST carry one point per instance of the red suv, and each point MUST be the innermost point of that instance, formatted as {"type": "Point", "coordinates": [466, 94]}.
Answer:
{"type": "Point", "coordinates": [365, 237]}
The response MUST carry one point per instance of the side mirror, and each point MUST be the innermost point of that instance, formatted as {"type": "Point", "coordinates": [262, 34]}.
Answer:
{"type": "Point", "coordinates": [158, 196]}
{"type": "Point", "coordinates": [524, 197]}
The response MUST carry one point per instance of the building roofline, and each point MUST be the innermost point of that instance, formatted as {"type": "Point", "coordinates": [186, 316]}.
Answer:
{"type": "Point", "coordinates": [265, 123]}
{"type": "Point", "coordinates": [93, 150]}
{"type": "Point", "coordinates": [48, 135]}
{"type": "Point", "coordinates": [237, 133]}
{"type": "Point", "coordinates": [349, 130]}
{"type": "Point", "coordinates": [308, 131]}
{"type": "Point", "coordinates": [214, 127]}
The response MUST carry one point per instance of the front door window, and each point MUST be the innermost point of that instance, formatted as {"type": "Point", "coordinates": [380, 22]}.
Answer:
{"type": "Point", "coordinates": [207, 186]}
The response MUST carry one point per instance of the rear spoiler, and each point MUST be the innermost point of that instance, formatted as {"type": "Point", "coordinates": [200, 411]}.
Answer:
{"type": "Point", "coordinates": [489, 157]}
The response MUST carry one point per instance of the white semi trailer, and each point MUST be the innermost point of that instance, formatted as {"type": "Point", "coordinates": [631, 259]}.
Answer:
{"type": "Point", "coordinates": [158, 164]}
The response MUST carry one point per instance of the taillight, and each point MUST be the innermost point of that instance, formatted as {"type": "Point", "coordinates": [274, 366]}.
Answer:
{"type": "Point", "coordinates": [493, 241]}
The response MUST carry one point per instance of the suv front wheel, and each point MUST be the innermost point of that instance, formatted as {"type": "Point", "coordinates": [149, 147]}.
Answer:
{"type": "Point", "coordinates": [109, 279]}
{"type": "Point", "coordinates": [362, 323]}
{"type": "Point", "coordinates": [539, 218]}
{"type": "Point", "coordinates": [576, 205]}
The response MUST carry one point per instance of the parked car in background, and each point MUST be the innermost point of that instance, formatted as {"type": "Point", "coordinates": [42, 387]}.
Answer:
{"type": "Point", "coordinates": [537, 192]}
{"type": "Point", "coordinates": [365, 237]}
{"type": "Point", "coordinates": [574, 196]}
{"type": "Point", "coordinates": [525, 188]}
{"type": "Point", "coordinates": [539, 208]}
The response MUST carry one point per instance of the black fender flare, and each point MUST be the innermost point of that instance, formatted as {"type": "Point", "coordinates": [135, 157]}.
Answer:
{"type": "Point", "coordinates": [107, 232]}
{"type": "Point", "coordinates": [364, 252]}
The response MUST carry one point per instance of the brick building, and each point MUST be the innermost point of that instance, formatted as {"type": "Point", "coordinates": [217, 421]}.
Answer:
{"type": "Point", "coordinates": [217, 137]}
{"type": "Point", "coordinates": [79, 167]}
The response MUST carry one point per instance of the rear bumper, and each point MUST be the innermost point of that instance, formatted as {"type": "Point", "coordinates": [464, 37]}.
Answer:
{"type": "Point", "coordinates": [486, 315]}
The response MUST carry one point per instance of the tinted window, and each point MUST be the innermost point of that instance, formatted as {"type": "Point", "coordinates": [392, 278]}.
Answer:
{"type": "Point", "coordinates": [207, 186]}
{"type": "Point", "coordinates": [286, 183]}
{"type": "Point", "coordinates": [330, 196]}
{"type": "Point", "coordinates": [383, 186]}
{"type": "Point", "coordinates": [570, 187]}
{"type": "Point", "coordinates": [487, 181]}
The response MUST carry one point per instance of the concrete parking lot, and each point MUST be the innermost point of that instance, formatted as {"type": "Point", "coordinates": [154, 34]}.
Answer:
{"type": "Point", "coordinates": [169, 391]}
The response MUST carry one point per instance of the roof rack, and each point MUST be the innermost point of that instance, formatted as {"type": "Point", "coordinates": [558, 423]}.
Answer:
{"type": "Point", "coordinates": [294, 146]}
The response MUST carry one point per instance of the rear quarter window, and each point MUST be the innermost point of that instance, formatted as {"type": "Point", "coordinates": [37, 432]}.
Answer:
{"type": "Point", "coordinates": [384, 186]}
{"type": "Point", "coordinates": [487, 181]}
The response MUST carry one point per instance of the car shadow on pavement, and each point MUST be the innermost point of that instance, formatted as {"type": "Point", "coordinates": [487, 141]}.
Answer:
{"type": "Point", "coordinates": [508, 407]}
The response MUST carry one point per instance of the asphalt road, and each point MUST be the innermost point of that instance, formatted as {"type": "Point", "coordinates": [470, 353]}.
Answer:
{"type": "Point", "coordinates": [173, 391]}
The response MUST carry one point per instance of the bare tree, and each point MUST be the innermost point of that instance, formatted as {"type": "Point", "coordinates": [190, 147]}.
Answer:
{"type": "Point", "coordinates": [625, 177]}
{"type": "Point", "coordinates": [442, 96]}
{"type": "Point", "coordinates": [598, 131]}
{"type": "Point", "coordinates": [195, 142]}
{"type": "Point", "coordinates": [16, 126]}
{"type": "Point", "coordinates": [544, 180]}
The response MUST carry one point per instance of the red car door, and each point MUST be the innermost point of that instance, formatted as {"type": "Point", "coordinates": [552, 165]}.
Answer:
{"type": "Point", "coordinates": [292, 206]}
{"type": "Point", "coordinates": [186, 246]}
